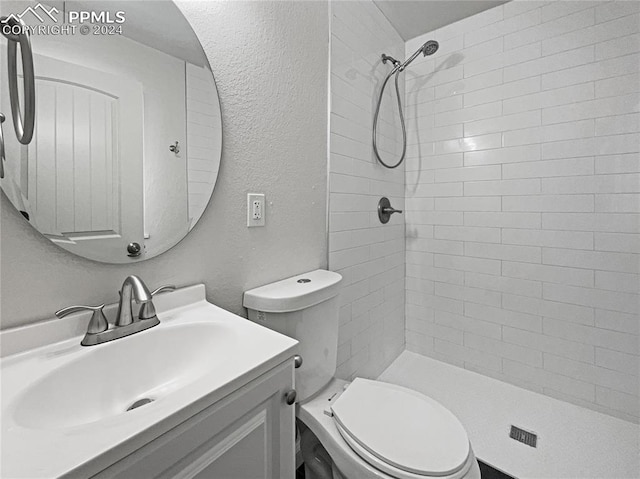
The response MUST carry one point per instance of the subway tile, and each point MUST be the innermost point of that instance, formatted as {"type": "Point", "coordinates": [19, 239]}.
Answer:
{"type": "Point", "coordinates": [512, 9]}
{"type": "Point", "coordinates": [525, 53]}
{"type": "Point", "coordinates": [599, 184]}
{"type": "Point", "coordinates": [503, 349]}
{"type": "Point", "coordinates": [502, 92]}
{"type": "Point", "coordinates": [545, 203]}
{"type": "Point", "coordinates": [468, 203]}
{"type": "Point", "coordinates": [504, 284]}
{"type": "Point", "coordinates": [556, 10]}
{"type": "Point", "coordinates": [579, 315]}
{"type": "Point", "coordinates": [623, 243]}
{"type": "Point", "coordinates": [617, 361]}
{"type": "Point", "coordinates": [549, 168]}
{"type": "Point", "coordinates": [599, 34]}
{"type": "Point", "coordinates": [568, 131]}
{"type": "Point", "coordinates": [515, 154]}
{"type": "Point", "coordinates": [527, 254]}
{"type": "Point", "coordinates": [618, 47]}
{"type": "Point", "coordinates": [602, 145]}
{"type": "Point", "coordinates": [569, 386]}
{"type": "Point", "coordinates": [481, 142]}
{"type": "Point", "coordinates": [616, 86]}
{"type": "Point", "coordinates": [479, 112]}
{"type": "Point", "coordinates": [605, 261]}
{"type": "Point", "coordinates": [504, 123]}
{"type": "Point", "coordinates": [466, 85]}
{"type": "Point", "coordinates": [547, 344]}
{"type": "Point", "coordinates": [621, 282]}
{"type": "Point", "coordinates": [618, 401]}
{"type": "Point", "coordinates": [628, 163]}
{"type": "Point", "coordinates": [592, 298]}
{"type": "Point", "coordinates": [465, 293]}
{"type": "Point", "coordinates": [611, 10]}
{"type": "Point", "coordinates": [499, 29]}
{"type": "Point", "coordinates": [558, 239]}
{"type": "Point", "coordinates": [597, 222]}
{"type": "Point", "coordinates": [462, 323]}
{"type": "Point", "coordinates": [516, 319]}
{"type": "Point", "coordinates": [464, 263]}
{"type": "Point", "coordinates": [548, 64]}
{"type": "Point", "coordinates": [550, 29]}
{"type": "Point", "coordinates": [617, 321]}
{"type": "Point", "coordinates": [591, 72]}
{"type": "Point", "coordinates": [468, 355]}
{"type": "Point", "coordinates": [548, 273]}
{"type": "Point", "coordinates": [465, 233]}
{"type": "Point", "coordinates": [619, 124]}
{"type": "Point", "coordinates": [466, 173]}
{"type": "Point", "coordinates": [618, 203]}
{"type": "Point", "coordinates": [549, 98]}
{"type": "Point", "coordinates": [503, 220]}
{"type": "Point", "coordinates": [502, 187]}
{"type": "Point", "coordinates": [436, 274]}
{"type": "Point", "coordinates": [591, 374]}
{"type": "Point", "coordinates": [526, 136]}
{"type": "Point", "coordinates": [437, 246]}
{"type": "Point", "coordinates": [617, 105]}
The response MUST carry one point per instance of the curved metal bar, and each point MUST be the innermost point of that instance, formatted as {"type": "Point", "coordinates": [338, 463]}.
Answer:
{"type": "Point", "coordinates": [2, 155]}
{"type": "Point", "coordinates": [23, 123]}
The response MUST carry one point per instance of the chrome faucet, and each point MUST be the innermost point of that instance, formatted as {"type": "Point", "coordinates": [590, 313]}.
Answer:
{"type": "Point", "coordinates": [133, 289]}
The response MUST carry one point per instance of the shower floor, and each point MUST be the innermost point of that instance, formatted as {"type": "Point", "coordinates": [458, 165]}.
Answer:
{"type": "Point", "coordinates": [573, 442]}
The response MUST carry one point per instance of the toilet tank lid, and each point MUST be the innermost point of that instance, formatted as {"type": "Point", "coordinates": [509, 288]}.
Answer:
{"type": "Point", "coordinates": [295, 293]}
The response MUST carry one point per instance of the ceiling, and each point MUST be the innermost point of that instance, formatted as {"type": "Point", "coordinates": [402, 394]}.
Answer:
{"type": "Point", "coordinates": [412, 18]}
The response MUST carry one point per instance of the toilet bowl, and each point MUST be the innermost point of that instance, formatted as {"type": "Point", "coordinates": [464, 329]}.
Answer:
{"type": "Point", "coordinates": [370, 429]}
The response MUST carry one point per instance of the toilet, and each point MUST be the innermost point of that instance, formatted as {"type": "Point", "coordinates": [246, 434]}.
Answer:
{"type": "Point", "coordinates": [370, 429]}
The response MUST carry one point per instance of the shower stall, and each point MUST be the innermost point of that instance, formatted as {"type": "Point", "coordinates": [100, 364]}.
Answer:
{"type": "Point", "coordinates": [511, 142]}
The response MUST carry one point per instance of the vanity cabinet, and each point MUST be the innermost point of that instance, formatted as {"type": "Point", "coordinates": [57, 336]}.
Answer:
{"type": "Point", "coordinates": [249, 434]}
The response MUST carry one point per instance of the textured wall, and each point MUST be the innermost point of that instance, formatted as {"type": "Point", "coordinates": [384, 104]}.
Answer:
{"type": "Point", "coordinates": [522, 191]}
{"type": "Point", "coordinates": [368, 254]}
{"type": "Point", "coordinates": [270, 62]}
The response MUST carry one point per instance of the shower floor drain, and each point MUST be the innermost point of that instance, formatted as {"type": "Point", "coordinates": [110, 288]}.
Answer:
{"type": "Point", "coordinates": [139, 403]}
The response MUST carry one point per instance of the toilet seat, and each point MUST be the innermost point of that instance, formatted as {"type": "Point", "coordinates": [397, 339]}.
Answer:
{"type": "Point", "coordinates": [399, 431]}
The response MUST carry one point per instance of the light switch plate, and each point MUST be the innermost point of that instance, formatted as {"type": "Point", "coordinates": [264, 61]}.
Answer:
{"type": "Point", "coordinates": [255, 209]}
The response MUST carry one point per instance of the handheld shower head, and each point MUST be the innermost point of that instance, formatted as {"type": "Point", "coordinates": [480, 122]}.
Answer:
{"type": "Point", "coordinates": [429, 48]}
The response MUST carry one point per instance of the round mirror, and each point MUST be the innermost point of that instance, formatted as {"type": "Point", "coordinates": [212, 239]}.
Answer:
{"type": "Point", "coordinates": [127, 140]}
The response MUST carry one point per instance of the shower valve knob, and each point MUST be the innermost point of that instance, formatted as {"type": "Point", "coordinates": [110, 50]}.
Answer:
{"type": "Point", "coordinates": [385, 210]}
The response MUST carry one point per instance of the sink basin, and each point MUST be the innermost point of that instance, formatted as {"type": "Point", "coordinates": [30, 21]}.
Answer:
{"type": "Point", "coordinates": [111, 377]}
{"type": "Point", "coordinates": [70, 410]}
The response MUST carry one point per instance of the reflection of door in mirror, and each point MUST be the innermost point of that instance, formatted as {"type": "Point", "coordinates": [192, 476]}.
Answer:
{"type": "Point", "coordinates": [81, 177]}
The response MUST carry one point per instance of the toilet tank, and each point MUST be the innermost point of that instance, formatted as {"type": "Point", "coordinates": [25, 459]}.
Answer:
{"type": "Point", "coordinates": [306, 308]}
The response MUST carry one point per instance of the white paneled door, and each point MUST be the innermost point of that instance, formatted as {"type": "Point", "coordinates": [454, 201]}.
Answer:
{"type": "Point", "coordinates": [81, 177]}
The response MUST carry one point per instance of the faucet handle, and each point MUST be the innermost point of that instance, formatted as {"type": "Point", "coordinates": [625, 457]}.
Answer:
{"type": "Point", "coordinates": [98, 322]}
{"type": "Point", "coordinates": [163, 289]}
{"type": "Point", "coordinates": [148, 310]}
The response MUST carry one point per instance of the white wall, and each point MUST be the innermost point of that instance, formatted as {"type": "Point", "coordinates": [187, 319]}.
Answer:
{"type": "Point", "coordinates": [368, 254]}
{"type": "Point", "coordinates": [271, 144]}
{"type": "Point", "coordinates": [522, 189]}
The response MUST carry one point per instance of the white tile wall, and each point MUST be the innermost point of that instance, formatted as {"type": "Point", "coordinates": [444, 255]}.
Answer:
{"type": "Point", "coordinates": [368, 254]}
{"type": "Point", "coordinates": [523, 199]}
{"type": "Point", "coordinates": [203, 148]}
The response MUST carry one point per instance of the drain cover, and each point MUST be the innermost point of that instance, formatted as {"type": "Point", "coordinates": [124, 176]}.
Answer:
{"type": "Point", "coordinates": [525, 437]}
{"type": "Point", "coordinates": [138, 403]}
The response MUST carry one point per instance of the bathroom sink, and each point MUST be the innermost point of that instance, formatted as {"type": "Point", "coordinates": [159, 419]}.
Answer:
{"type": "Point", "coordinates": [108, 380]}
{"type": "Point", "coordinates": [73, 410]}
